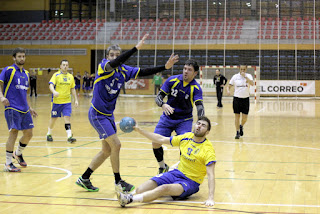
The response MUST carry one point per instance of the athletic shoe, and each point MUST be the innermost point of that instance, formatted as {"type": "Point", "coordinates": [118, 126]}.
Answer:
{"type": "Point", "coordinates": [124, 199]}
{"type": "Point", "coordinates": [241, 130]}
{"type": "Point", "coordinates": [20, 159]}
{"type": "Point", "coordinates": [49, 138]}
{"type": "Point", "coordinates": [71, 140]}
{"type": "Point", "coordinates": [163, 170]}
{"type": "Point", "coordinates": [124, 187]}
{"type": "Point", "coordinates": [86, 184]}
{"type": "Point", "coordinates": [237, 135]}
{"type": "Point", "coordinates": [11, 168]}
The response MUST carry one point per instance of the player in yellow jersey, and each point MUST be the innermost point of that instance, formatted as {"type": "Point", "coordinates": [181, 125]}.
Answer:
{"type": "Point", "coordinates": [62, 85]}
{"type": "Point", "coordinates": [196, 160]}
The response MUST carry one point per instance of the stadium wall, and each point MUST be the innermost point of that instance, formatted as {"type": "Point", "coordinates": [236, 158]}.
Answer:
{"type": "Point", "coordinates": [22, 11]}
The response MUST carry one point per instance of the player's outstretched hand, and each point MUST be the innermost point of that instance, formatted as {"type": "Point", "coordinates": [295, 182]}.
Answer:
{"type": "Point", "coordinates": [5, 101]}
{"type": "Point", "coordinates": [167, 109]}
{"type": "Point", "coordinates": [209, 203]}
{"type": "Point", "coordinates": [33, 112]}
{"type": "Point", "coordinates": [76, 103]}
{"type": "Point", "coordinates": [141, 42]}
{"type": "Point", "coordinates": [173, 59]}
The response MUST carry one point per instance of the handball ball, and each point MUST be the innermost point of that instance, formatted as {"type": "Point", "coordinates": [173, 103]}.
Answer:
{"type": "Point", "coordinates": [127, 124]}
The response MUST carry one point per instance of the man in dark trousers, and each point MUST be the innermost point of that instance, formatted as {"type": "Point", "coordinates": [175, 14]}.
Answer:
{"type": "Point", "coordinates": [33, 84]}
{"type": "Point", "coordinates": [220, 81]}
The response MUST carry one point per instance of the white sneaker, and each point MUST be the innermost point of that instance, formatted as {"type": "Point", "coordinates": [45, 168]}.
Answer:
{"type": "Point", "coordinates": [124, 199]}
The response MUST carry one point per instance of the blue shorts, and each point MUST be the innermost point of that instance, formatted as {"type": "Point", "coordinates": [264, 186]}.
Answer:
{"type": "Point", "coordinates": [166, 126]}
{"type": "Point", "coordinates": [176, 177]}
{"type": "Point", "coordinates": [18, 120]}
{"type": "Point", "coordinates": [87, 88]}
{"type": "Point", "coordinates": [103, 124]}
{"type": "Point", "coordinates": [77, 87]}
{"type": "Point", "coordinates": [58, 109]}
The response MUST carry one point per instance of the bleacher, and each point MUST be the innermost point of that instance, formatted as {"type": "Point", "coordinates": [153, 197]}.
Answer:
{"type": "Point", "coordinates": [200, 30]}
{"type": "Point", "coordinates": [64, 30]}
{"type": "Point", "coordinates": [306, 28]}
{"type": "Point", "coordinates": [164, 29]}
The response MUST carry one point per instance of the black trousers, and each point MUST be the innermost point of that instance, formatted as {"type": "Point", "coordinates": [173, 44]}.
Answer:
{"type": "Point", "coordinates": [33, 87]}
{"type": "Point", "coordinates": [219, 95]}
{"type": "Point", "coordinates": [156, 89]}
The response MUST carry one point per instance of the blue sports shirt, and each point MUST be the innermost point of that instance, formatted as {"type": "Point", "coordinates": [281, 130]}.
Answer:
{"type": "Point", "coordinates": [181, 96]}
{"type": "Point", "coordinates": [107, 85]}
{"type": "Point", "coordinates": [15, 86]}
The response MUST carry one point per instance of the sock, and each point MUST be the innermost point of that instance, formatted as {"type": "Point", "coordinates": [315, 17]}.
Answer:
{"type": "Point", "coordinates": [9, 157]}
{"type": "Point", "coordinates": [137, 198]}
{"type": "Point", "coordinates": [68, 129]}
{"type": "Point", "coordinates": [87, 173]}
{"type": "Point", "coordinates": [158, 153]}
{"type": "Point", "coordinates": [117, 177]}
{"type": "Point", "coordinates": [49, 131]}
{"type": "Point", "coordinates": [20, 148]}
{"type": "Point", "coordinates": [162, 164]}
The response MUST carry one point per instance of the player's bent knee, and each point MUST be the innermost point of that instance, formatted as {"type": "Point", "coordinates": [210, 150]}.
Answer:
{"type": "Point", "coordinates": [156, 145]}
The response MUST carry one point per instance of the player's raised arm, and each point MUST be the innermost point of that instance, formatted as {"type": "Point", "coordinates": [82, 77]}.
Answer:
{"type": "Point", "coordinates": [152, 136]}
{"type": "Point", "coordinates": [153, 70]}
{"type": "Point", "coordinates": [118, 60]}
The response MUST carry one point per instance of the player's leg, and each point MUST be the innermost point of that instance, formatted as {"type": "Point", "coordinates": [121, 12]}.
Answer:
{"type": "Point", "coordinates": [56, 110]}
{"type": "Point", "coordinates": [218, 96]}
{"type": "Point", "coordinates": [66, 111]}
{"type": "Point", "coordinates": [221, 95]}
{"type": "Point", "coordinates": [163, 128]}
{"type": "Point", "coordinates": [245, 112]}
{"type": "Point", "coordinates": [115, 145]}
{"type": "Point", "coordinates": [146, 186]}
{"type": "Point", "coordinates": [9, 167]}
{"type": "Point", "coordinates": [84, 180]}
{"type": "Point", "coordinates": [27, 130]}
{"type": "Point", "coordinates": [23, 142]}
{"type": "Point", "coordinates": [236, 111]}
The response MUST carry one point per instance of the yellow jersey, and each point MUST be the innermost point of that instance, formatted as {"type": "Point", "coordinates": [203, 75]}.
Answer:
{"type": "Point", "coordinates": [194, 156]}
{"type": "Point", "coordinates": [63, 83]}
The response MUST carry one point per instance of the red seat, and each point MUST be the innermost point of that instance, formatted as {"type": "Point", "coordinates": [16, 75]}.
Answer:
{"type": "Point", "coordinates": [267, 37]}
{"type": "Point", "coordinates": [229, 37]}
{"type": "Point", "coordinates": [56, 38]}
{"type": "Point", "coordinates": [275, 37]}
{"type": "Point", "coordinates": [298, 37]}
{"type": "Point", "coordinates": [306, 37]}
{"type": "Point", "coordinates": [93, 37]}
{"type": "Point", "coordinates": [237, 37]}
{"type": "Point", "coordinates": [49, 38]}
{"type": "Point", "coordinates": [42, 38]}
{"type": "Point", "coordinates": [290, 36]}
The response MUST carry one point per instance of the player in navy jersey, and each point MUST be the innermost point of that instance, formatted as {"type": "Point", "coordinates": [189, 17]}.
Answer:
{"type": "Point", "coordinates": [110, 77]}
{"type": "Point", "coordinates": [14, 83]}
{"type": "Point", "coordinates": [183, 92]}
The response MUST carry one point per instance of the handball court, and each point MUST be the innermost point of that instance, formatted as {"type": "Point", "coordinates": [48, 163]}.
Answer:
{"type": "Point", "coordinates": [273, 168]}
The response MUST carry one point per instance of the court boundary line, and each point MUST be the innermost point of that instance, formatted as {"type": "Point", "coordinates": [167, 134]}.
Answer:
{"type": "Point", "coordinates": [69, 173]}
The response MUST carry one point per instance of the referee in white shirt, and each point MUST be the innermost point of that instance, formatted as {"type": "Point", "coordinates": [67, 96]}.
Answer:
{"type": "Point", "coordinates": [241, 103]}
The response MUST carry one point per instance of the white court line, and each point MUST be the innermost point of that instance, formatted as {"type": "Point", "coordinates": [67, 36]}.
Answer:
{"type": "Point", "coordinates": [93, 148]}
{"type": "Point", "coordinates": [261, 144]}
{"type": "Point", "coordinates": [148, 109]}
{"type": "Point", "coordinates": [260, 110]}
{"type": "Point", "coordinates": [166, 148]}
{"type": "Point", "coordinates": [223, 203]}
{"type": "Point", "coordinates": [65, 170]}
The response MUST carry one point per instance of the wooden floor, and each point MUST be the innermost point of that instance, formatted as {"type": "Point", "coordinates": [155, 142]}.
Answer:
{"type": "Point", "coordinates": [274, 168]}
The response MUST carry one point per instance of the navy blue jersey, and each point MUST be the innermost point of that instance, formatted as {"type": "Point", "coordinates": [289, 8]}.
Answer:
{"type": "Point", "coordinates": [181, 96]}
{"type": "Point", "coordinates": [107, 85]}
{"type": "Point", "coordinates": [15, 86]}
